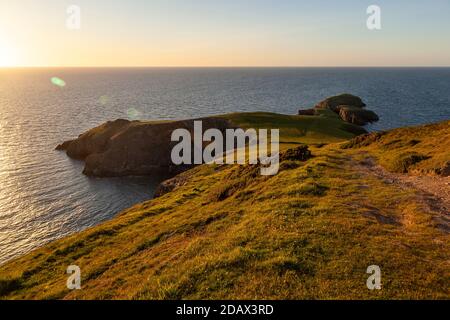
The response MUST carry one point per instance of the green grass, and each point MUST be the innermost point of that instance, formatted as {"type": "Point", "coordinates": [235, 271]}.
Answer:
{"type": "Point", "coordinates": [326, 128]}
{"type": "Point", "coordinates": [420, 150]}
{"type": "Point", "coordinates": [309, 232]}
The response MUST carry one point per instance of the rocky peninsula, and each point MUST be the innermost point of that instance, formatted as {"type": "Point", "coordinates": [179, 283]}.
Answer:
{"type": "Point", "coordinates": [124, 148]}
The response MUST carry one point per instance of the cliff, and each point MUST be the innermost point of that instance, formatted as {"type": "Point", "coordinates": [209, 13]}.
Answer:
{"type": "Point", "coordinates": [122, 147]}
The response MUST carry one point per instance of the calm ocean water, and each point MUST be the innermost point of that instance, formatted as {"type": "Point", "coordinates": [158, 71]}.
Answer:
{"type": "Point", "coordinates": [44, 196]}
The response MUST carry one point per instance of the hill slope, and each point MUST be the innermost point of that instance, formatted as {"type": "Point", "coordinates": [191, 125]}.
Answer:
{"type": "Point", "coordinates": [226, 232]}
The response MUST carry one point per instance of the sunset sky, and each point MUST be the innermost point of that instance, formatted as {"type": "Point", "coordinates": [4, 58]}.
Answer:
{"type": "Point", "coordinates": [224, 33]}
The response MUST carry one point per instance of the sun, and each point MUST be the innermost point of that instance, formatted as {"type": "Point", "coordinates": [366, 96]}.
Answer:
{"type": "Point", "coordinates": [7, 56]}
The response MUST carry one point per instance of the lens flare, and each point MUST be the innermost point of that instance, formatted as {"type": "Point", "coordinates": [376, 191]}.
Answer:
{"type": "Point", "coordinates": [133, 114]}
{"type": "Point", "coordinates": [58, 82]}
{"type": "Point", "coordinates": [103, 100]}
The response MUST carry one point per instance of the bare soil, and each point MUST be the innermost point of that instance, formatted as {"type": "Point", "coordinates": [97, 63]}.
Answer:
{"type": "Point", "coordinates": [433, 191]}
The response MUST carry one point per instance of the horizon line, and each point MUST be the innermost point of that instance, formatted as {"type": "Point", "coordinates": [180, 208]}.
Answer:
{"type": "Point", "coordinates": [224, 67]}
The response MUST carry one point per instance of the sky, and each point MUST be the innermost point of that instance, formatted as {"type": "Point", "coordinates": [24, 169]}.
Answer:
{"type": "Point", "coordinates": [224, 33]}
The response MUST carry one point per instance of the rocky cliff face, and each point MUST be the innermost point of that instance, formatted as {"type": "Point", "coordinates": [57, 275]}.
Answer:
{"type": "Point", "coordinates": [124, 148]}
{"type": "Point", "coordinates": [349, 107]}
{"type": "Point", "coordinates": [356, 115]}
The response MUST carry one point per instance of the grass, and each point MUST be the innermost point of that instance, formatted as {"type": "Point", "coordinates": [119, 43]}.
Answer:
{"type": "Point", "coordinates": [9, 285]}
{"type": "Point", "coordinates": [326, 128]}
{"type": "Point", "coordinates": [404, 161]}
{"type": "Point", "coordinates": [420, 150]}
{"type": "Point", "coordinates": [309, 232]}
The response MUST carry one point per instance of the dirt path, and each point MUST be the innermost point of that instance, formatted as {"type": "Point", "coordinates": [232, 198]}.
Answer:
{"type": "Point", "coordinates": [432, 191]}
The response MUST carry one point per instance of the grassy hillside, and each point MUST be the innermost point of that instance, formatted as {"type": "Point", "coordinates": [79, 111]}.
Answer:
{"type": "Point", "coordinates": [309, 232]}
{"type": "Point", "coordinates": [325, 128]}
{"type": "Point", "coordinates": [417, 150]}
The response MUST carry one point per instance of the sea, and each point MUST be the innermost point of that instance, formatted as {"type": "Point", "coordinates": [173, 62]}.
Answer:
{"type": "Point", "coordinates": [43, 193]}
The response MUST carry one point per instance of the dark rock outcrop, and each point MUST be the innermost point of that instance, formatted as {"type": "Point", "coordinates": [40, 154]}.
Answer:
{"type": "Point", "coordinates": [64, 145]}
{"type": "Point", "coordinates": [341, 100]}
{"type": "Point", "coordinates": [350, 108]}
{"type": "Point", "coordinates": [301, 153]}
{"type": "Point", "coordinates": [169, 185]}
{"type": "Point", "coordinates": [126, 148]}
{"type": "Point", "coordinates": [356, 115]}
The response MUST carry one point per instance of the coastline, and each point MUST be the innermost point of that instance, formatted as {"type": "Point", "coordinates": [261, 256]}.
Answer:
{"type": "Point", "coordinates": [326, 177]}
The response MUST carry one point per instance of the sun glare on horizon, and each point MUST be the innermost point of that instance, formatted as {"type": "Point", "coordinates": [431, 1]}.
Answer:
{"type": "Point", "coordinates": [8, 56]}
{"type": "Point", "coordinates": [8, 53]}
